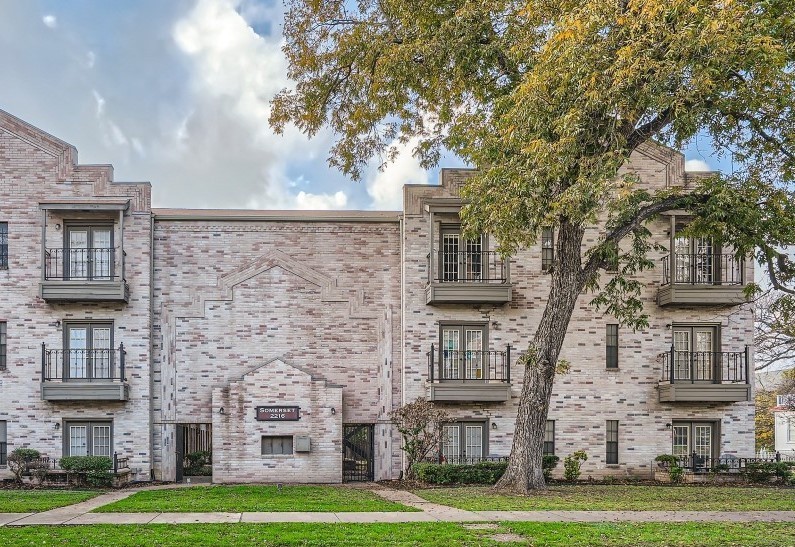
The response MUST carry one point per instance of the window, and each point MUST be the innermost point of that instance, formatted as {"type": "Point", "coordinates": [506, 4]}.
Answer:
{"type": "Point", "coordinates": [3, 443]}
{"type": "Point", "coordinates": [3, 245]}
{"type": "Point", "coordinates": [3, 345]}
{"type": "Point", "coordinates": [463, 355]}
{"type": "Point", "coordinates": [547, 248]}
{"type": "Point", "coordinates": [611, 346]}
{"type": "Point", "coordinates": [549, 438]}
{"type": "Point", "coordinates": [611, 456]}
{"type": "Point", "coordinates": [694, 260]}
{"type": "Point", "coordinates": [273, 445]}
{"type": "Point", "coordinates": [461, 259]}
{"type": "Point", "coordinates": [88, 439]}
{"type": "Point", "coordinates": [89, 353]}
{"type": "Point", "coordinates": [790, 429]}
{"type": "Point", "coordinates": [464, 441]}
{"type": "Point", "coordinates": [89, 252]}
{"type": "Point", "coordinates": [693, 437]}
{"type": "Point", "coordinates": [612, 260]}
{"type": "Point", "coordinates": [694, 352]}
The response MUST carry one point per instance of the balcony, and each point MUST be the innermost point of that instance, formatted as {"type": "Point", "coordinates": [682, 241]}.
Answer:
{"type": "Point", "coordinates": [705, 377]}
{"type": "Point", "coordinates": [467, 277]}
{"type": "Point", "coordinates": [701, 279]}
{"type": "Point", "coordinates": [72, 275]}
{"type": "Point", "coordinates": [469, 375]}
{"type": "Point", "coordinates": [83, 374]}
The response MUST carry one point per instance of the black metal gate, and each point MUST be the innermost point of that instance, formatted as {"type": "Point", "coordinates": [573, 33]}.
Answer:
{"type": "Point", "coordinates": [358, 454]}
{"type": "Point", "coordinates": [179, 448]}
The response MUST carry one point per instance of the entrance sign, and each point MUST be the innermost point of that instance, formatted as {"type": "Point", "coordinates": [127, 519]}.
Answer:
{"type": "Point", "coordinates": [278, 413]}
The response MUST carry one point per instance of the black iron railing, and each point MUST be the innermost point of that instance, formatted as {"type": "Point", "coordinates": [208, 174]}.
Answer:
{"type": "Point", "coordinates": [464, 460]}
{"type": "Point", "coordinates": [83, 365]}
{"type": "Point", "coordinates": [98, 264]}
{"type": "Point", "coordinates": [702, 269]}
{"type": "Point", "coordinates": [469, 365]}
{"type": "Point", "coordinates": [716, 367]}
{"type": "Point", "coordinates": [120, 463]}
{"type": "Point", "coordinates": [467, 267]}
{"type": "Point", "coordinates": [705, 464]}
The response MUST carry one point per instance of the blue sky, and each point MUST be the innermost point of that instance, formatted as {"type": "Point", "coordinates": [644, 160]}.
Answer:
{"type": "Point", "coordinates": [176, 92]}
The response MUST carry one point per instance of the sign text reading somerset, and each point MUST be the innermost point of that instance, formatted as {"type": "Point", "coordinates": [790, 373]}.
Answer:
{"type": "Point", "coordinates": [278, 413]}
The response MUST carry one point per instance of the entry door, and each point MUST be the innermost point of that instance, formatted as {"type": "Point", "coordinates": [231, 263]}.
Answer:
{"type": "Point", "coordinates": [693, 438]}
{"type": "Point", "coordinates": [695, 261]}
{"type": "Point", "coordinates": [694, 353]}
{"type": "Point", "coordinates": [462, 352]}
{"type": "Point", "coordinates": [461, 259]}
{"type": "Point", "coordinates": [89, 253]}
{"type": "Point", "coordinates": [89, 351]}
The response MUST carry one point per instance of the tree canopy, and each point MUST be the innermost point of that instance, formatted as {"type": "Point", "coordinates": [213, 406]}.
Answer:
{"type": "Point", "coordinates": [548, 99]}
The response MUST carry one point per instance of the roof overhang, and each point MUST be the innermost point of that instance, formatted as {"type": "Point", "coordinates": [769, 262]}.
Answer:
{"type": "Point", "coordinates": [84, 206]}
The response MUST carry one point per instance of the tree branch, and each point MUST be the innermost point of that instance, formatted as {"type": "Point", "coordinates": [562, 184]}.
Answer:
{"type": "Point", "coordinates": [646, 131]}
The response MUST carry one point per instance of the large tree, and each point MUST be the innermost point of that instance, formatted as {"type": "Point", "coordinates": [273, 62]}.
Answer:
{"type": "Point", "coordinates": [548, 99]}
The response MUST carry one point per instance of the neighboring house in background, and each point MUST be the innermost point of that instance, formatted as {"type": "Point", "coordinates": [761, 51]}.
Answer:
{"type": "Point", "coordinates": [785, 423]}
{"type": "Point", "coordinates": [281, 340]}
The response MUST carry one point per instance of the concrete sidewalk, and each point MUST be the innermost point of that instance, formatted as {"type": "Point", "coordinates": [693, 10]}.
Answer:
{"type": "Point", "coordinates": [79, 513]}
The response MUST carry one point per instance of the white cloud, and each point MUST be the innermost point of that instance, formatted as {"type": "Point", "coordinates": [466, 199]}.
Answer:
{"type": "Point", "coordinates": [385, 186]}
{"type": "Point", "coordinates": [697, 165]}
{"type": "Point", "coordinates": [50, 21]}
{"type": "Point", "coordinates": [305, 200]}
{"type": "Point", "coordinates": [91, 59]}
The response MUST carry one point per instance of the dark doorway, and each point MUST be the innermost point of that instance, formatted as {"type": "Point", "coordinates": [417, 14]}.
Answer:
{"type": "Point", "coordinates": [194, 448]}
{"type": "Point", "coordinates": [358, 454]}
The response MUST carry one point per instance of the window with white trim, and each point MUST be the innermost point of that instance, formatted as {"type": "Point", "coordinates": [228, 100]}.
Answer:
{"type": "Point", "coordinates": [92, 438]}
{"type": "Point", "coordinates": [464, 441]}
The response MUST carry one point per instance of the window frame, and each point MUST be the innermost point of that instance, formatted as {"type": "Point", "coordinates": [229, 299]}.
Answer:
{"type": "Point", "coordinates": [547, 248]}
{"type": "Point", "coordinates": [90, 446]}
{"type": "Point", "coordinates": [3, 245]}
{"type": "Point", "coordinates": [691, 424]}
{"type": "Point", "coordinates": [462, 327]}
{"type": "Point", "coordinates": [89, 325]}
{"type": "Point", "coordinates": [269, 439]}
{"type": "Point", "coordinates": [462, 444]}
{"type": "Point", "coordinates": [549, 432]}
{"type": "Point", "coordinates": [611, 442]}
{"type": "Point", "coordinates": [790, 424]}
{"type": "Point", "coordinates": [461, 274]}
{"type": "Point", "coordinates": [3, 345]}
{"type": "Point", "coordinates": [90, 227]}
{"type": "Point", "coordinates": [611, 349]}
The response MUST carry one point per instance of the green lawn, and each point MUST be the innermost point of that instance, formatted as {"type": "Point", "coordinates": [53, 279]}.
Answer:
{"type": "Point", "coordinates": [252, 498]}
{"type": "Point", "coordinates": [30, 501]}
{"type": "Point", "coordinates": [615, 497]}
{"type": "Point", "coordinates": [425, 534]}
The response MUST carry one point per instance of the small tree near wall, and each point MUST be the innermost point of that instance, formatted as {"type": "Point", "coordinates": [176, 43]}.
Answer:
{"type": "Point", "coordinates": [420, 424]}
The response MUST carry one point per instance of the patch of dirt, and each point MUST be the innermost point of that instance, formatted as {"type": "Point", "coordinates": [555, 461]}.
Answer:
{"type": "Point", "coordinates": [482, 526]}
{"type": "Point", "coordinates": [507, 538]}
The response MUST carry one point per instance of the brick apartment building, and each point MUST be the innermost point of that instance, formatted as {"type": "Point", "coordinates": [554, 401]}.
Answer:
{"type": "Point", "coordinates": [281, 340]}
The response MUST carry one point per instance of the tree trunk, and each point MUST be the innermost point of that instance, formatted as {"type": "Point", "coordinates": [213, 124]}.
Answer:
{"type": "Point", "coordinates": [524, 471]}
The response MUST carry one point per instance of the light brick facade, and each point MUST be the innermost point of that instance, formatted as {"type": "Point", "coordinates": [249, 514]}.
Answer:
{"type": "Point", "coordinates": [326, 311]}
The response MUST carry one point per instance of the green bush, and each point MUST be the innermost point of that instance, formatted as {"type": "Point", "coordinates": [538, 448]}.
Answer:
{"type": "Point", "coordinates": [670, 459]}
{"type": "Point", "coordinates": [571, 465]}
{"type": "Point", "coordinates": [19, 460]}
{"type": "Point", "coordinates": [95, 469]}
{"type": "Point", "coordinates": [198, 463]}
{"type": "Point", "coordinates": [479, 473]}
{"type": "Point", "coordinates": [677, 474]}
{"type": "Point", "coordinates": [548, 463]}
{"type": "Point", "coordinates": [764, 471]}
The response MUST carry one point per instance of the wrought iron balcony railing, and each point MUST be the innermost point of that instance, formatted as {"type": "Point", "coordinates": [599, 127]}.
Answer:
{"type": "Point", "coordinates": [469, 365]}
{"type": "Point", "coordinates": [706, 464]}
{"type": "Point", "coordinates": [717, 367]}
{"type": "Point", "coordinates": [83, 365]}
{"type": "Point", "coordinates": [97, 264]}
{"type": "Point", "coordinates": [467, 267]}
{"type": "Point", "coordinates": [702, 269]}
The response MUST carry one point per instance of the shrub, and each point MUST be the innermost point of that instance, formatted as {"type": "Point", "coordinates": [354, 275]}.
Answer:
{"type": "Point", "coordinates": [548, 463]}
{"type": "Point", "coordinates": [95, 469]}
{"type": "Point", "coordinates": [571, 465]}
{"type": "Point", "coordinates": [764, 471]}
{"type": "Point", "coordinates": [479, 473]}
{"type": "Point", "coordinates": [677, 474]}
{"type": "Point", "coordinates": [39, 471]}
{"type": "Point", "coordinates": [669, 459]}
{"type": "Point", "coordinates": [198, 463]}
{"type": "Point", "coordinates": [19, 459]}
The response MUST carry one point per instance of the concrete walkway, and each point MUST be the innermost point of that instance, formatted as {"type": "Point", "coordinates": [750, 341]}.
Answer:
{"type": "Point", "coordinates": [79, 513]}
